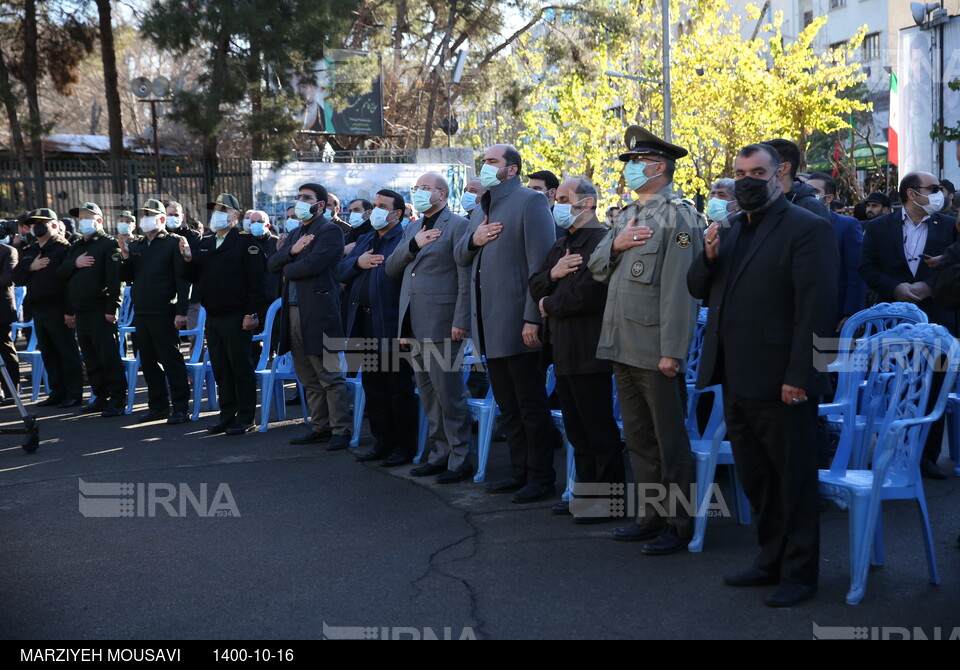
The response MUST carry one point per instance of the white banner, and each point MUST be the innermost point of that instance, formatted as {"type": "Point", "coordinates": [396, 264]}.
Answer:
{"type": "Point", "coordinates": [916, 74]}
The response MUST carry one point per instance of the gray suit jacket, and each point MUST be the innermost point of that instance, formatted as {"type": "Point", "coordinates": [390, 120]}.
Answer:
{"type": "Point", "coordinates": [506, 264]}
{"type": "Point", "coordinates": [435, 290]}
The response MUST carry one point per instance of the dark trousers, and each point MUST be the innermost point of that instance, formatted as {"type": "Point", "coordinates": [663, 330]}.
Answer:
{"type": "Point", "coordinates": [392, 406]}
{"type": "Point", "coordinates": [8, 353]}
{"type": "Point", "coordinates": [100, 345]}
{"type": "Point", "coordinates": [520, 391]}
{"type": "Point", "coordinates": [61, 357]}
{"type": "Point", "coordinates": [158, 342]}
{"type": "Point", "coordinates": [229, 347]}
{"type": "Point", "coordinates": [587, 405]}
{"type": "Point", "coordinates": [775, 452]}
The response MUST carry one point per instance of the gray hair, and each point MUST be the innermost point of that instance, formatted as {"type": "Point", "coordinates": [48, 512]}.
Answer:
{"type": "Point", "coordinates": [725, 184]}
{"type": "Point", "coordinates": [586, 190]}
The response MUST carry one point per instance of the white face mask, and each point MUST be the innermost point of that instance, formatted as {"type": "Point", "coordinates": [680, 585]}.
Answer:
{"type": "Point", "coordinates": [173, 222]}
{"type": "Point", "coordinates": [148, 224]}
{"type": "Point", "coordinates": [356, 219]}
{"type": "Point", "coordinates": [219, 221]}
{"type": "Point", "coordinates": [934, 204]}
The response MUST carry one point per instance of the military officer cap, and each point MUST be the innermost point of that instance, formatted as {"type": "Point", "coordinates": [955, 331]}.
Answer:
{"type": "Point", "coordinates": [152, 207]}
{"type": "Point", "coordinates": [91, 207]}
{"type": "Point", "coordinates": [127, 214]}
{"type": "Point", "coordinates": [42, 214]}
{"type": "Point", "coordinates": [226, 200]}
{"type": "Point", "coordinates": [641, 142]}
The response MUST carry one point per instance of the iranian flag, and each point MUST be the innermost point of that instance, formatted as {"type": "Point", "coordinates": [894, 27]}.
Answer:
{"type": "Point", "coordinates": [892, 139]}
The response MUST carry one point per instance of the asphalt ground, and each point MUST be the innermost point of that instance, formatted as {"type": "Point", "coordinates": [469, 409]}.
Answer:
{"type": "Point", "coordinates": [311, 544]}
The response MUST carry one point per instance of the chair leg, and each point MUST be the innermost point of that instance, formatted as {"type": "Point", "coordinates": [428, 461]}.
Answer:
{"type": "Point", "coordinates": [571, 471]}
{"type": "Point", "coordinates": [423, 428]}
{"type": "Point", "coordinates": [877, 555]}
{"type": "Point", "coordinates": [280, 391]}
{"type": "Point", "coordinates": [927, 538]}
{"type": "Point", "coordinates": [131, 388]}
{"type": "Point", "coordinates": [484, 436]}
{"type": "Point", "coordinates": [197, 395]}
{"type": "Point", "coordinates": [359, 403]}
{"type": "Point", "coordinates": [700, 520]}
{"type": "Point", "coordinates": [864, 513]}
{"type": "Point", "coordinates": [266, 398]}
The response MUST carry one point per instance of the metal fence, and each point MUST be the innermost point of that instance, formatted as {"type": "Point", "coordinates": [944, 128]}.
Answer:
{"type": "Point", "coordinates": [116, 186]}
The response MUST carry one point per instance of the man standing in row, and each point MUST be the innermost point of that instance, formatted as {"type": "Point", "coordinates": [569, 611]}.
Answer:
{"type": "Point", "coordinates": [159, 293]}
{"type": "Point", "coordinates": [310, 320]}
{"type": "Point", "coordinates": [435, 315]}
{"type": "Point", "coordinates": [92, 270]}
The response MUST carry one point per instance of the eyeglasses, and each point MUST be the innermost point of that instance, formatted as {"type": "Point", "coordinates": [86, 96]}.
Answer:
{"type": "Point", "coordinates": [305, 197]}
{"type": "Point", "coordinates": [933, 188]}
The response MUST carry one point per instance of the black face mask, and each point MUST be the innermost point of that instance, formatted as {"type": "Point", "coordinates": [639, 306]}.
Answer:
{"type": "Point", "coordinates": [40, 230]}
{"type": "Point", "coordinates": [752, 193]}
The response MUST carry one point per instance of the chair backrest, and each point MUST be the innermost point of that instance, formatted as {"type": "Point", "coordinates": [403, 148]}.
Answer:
{"type": "Point", "coordinates": [125, 318]}
{"type": "Point", "coordinates": [267, 334]}
{"type": "Point", "coordinates": [876, 319]}
{"type": "Point", "coordinates": [283, 364]}
{"type": "Point", "coordinates": [551, 380]}
{"type": "Point", "coordinates": [197, 354]}
{"type": "Point", "coordinates": [898, 366]}
{"type": "Point", "coordinates": [19, 293]}
{"type": "Point", "coordinates": [32, 344]}
{"type": "Point", "coordinates": [696, 346]}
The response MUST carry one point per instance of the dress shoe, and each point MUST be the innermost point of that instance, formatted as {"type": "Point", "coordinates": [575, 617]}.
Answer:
{"type": "Point", "coordinates": [636, 533]}
{"type": "Point", "coordinates": [396, 460]}
{"type": "Point", "coordinates": [931, 470]}
{"type": "Point", "coordinates": [338, 442]}
{"type": "Point", "coordinates": [241, 428]}
{"type": "Point", "coordinates": [533, 492]}
{"type": "Point", "coordinates": [220, 427]}
{"type": "Point", "coordinates": [177, 417]}
{"type": "Point", "coordinates": [50, 401]}
{"type": "Point", "coordinates": [751, 577]}
{"type": "Point", "coordinates": [95, 407]}
{"type": "Point", "coordinates": [111, 411]}
{"type": "Point", "coordinates": [504, 486]}
{"type": "Point", "coordinates": [562, 508]}
{"type": "Point", "coordinates": [372, 455]}
{"type": "Point", "coordinates": [72, 402]}
{"type": "Point", "coordinates": [154, 416]}
{"type": "Point", "coordinates": [312, 437]}
{"type": "Point", "coordinates": [428, 469]}
{"type": "Point", "coordinates": [668, 543]}
{"type": "Point", "coordinates": [454, 476]}
{"type": "Point", "coordinates": [788, 594]}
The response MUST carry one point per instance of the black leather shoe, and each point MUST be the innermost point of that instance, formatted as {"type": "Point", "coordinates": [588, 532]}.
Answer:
{"type": "Point", "coordinates": [533, 492]}
{"type": "Point", "coordinates": [372, 455]}
{"type": "Point", "coordinates": [153, 416]}
{"type": "Point", "coordinates": [428, 469]}
{"type": "Point", "coordinates": [50, 402]}
{"type": "Point", "coordinates": [751, 577]}
{"type": "Point", "coordinates": [111, 411]}
{"type": "Point", "coordinates": [95, 407]}
{"type": "Point", "coordinates": [788, 594]}
{"type": "Point", "coordinates": [454, 476]}
{"type": "Point", "coordinates": [241, 429]}
{"type": "Point", "coordinates": [636, 533]}
{"type": "Point", "coordinates": [312, 437]}
{"type": "Point", "coordinates": [338, 442]}
{"type": "Point", "coordinates": [396, 460]}
{"type": "Point", "coordinates": [561, 509]}
{"type": "Point", "coordinates": [930, 470]}
{"type": "Point", "coordinates": [668, 543]}
{"type": "Point", "coordinates": [220, 427]}
{"type": "Point", "coordinates": [504, 486]}
{"type": "Point", "coordinates": [73, 402]}
{"type": "Point", "coordinates": [177, 417]}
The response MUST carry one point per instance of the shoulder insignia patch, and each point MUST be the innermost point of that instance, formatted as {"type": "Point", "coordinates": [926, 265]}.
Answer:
{"type": "Point", "coordinates": [637, 269]}
{"type": "Point", "coordinates": [253, 249]}
{"type": "Point", "coordinates": [116, 256]}
{"type": "Point", "coordinates": [683, 240]}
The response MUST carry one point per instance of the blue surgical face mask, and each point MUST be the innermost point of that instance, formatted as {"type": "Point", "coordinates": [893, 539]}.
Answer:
{"type": "Point", "coordinates": [421, 201]}
{"type": "Point", "coordinates": [302, 211]}
{"type": "Point", "coordinates": [219, 221]}
{"type": "Point", "coordinates": [378, 218]}
{"type": "Point", "coordinates": [563, 214]}
{"type": "Point", "coordinates": [488, 176]}
{"type": "Point", "coordinates": [468, 201]}
{"type": "Point", "coordinates": [717, 209]}
{"type": "Point", "coordinates": [291, 225]}
{"type": "Point", "coordinates": [257, 228]}
{"type": "Point", "coordinates": [634, 176]}
{"type": "Point", "coordinates": [246, 225]}
{"type": "Point", "coordinates": [173, 222]}
{"type": "Point", "coordinates": [87, 226]}
{"type": "Point", "coordinates": [356, 219]}
{"type": "Point", "coordinates": [123, 228]}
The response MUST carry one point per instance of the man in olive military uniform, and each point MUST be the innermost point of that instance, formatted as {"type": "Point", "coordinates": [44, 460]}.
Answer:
{"type": "Point", "coordinates": [47, 301]}
{"type": "Point", "coordinates": [227, 272]}
{"type": "Point", "coordinates": [92, 270]}
{"type": "Point", "coordinates": [647, 324]}
{"type": "Point", "coordinates": [159, 293]}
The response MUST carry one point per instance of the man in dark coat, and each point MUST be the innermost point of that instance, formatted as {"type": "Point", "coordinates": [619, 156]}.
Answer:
{"type": "Point", "coordinates": [310, 325]}
{"type": "Point", "coordinates": [797, 192]}
{"type": "Point", "coordinates": [571, 302]}
{"type": "Point", "coordinates": [8, 314]}
{"type": "Point", "coordinates": [47, 301]}
{"type": "Point", "coordinates": [771, 279]}
{"type": "Point", "coordinates": [898, 251]}
{"type": "Point", "coordinates": [374, 313]}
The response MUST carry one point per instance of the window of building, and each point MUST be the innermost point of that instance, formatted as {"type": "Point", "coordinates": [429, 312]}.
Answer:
{"type": "Point", "coordinates": [871, 46]}
{"type": "Point", "coordinates": [807, 18]}
{"type": "Point", "coordinates": [837, 4]}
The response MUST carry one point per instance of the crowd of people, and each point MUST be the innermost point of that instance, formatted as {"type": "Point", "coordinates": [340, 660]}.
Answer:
{"type": "Point", "coordinates": [532, 278]}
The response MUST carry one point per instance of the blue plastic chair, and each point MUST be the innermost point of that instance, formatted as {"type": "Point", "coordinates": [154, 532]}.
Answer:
{"type": "Point", "coordinates": [125, 322]}
{"type": "Point", "coordinates": [38, 373]}
{"type": "Point", "coordinates": [199, 370]}
{"type": "Point", "coordinates": [898, 375]}
{"type": "Point", "coordinates": [484, 411]}
{"type": "Point", "coordinates": [265, 337]}
{"type": "Point", "coordinates": [359, 397]}
{"type": "Point", "coordinates": [271, 386]}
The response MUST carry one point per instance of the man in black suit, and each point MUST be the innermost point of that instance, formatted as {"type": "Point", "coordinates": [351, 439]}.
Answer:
{"type": "Point", "coordinates": [771, 279]}
{"type": "Point", "coordinates": [8, 313]}
{"type": "Point", "coordinates": [899, 250]}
